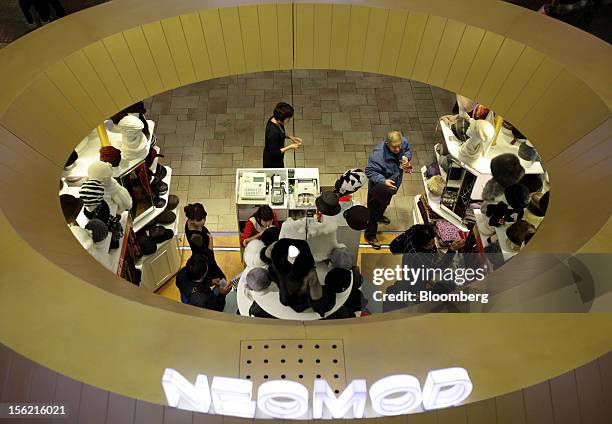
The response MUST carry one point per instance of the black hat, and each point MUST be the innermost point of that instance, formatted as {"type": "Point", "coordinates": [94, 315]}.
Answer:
{"type": "Point", "coordinates": [160, 234]}
{"type": "Point", "coordinates": [71, 206]}
{"type": "Point", "coordinates": [507, 169]}
{"type": "Point", "coordinates": [173, 202]}
{"type": "Point", "coordinates": [328, 203]}
{"type": "Point", "coordinates": [159, 187]}
{"type": "Point", "coordinates": [459, 129]}
{"type": "Point", "coordinates": [517, 196]}
{"type": "Point", "coordinates": [71, 159]}
{"type": "Point", "coordinates": [160, 171]}
{"type": "Point", "coordinates": [338, 279]}
{"type": "Point", "coordinates": [166, 217]}
{"type": "Point", "coordinates": [99, 230]}
{"type": "Point", "coordinates": [270, 235]}
{"type": "Point", "coordinates": [534, 182]}
{"type": "Point", "coordinates": [357, 217]}
{"type": "Point", "coordinates": [147, 245]}
{"type": "Point", "coordinates": [159, 202]}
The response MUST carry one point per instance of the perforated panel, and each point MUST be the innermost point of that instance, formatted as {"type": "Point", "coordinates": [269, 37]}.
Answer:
{"type": "Point", "coordinates": [298, 360]}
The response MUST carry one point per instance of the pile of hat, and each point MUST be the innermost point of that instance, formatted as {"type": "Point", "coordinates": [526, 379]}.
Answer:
{"type": "Point", "coordinates": [511, 195]}
{"type": "Point", "coordinates": [155, 232]}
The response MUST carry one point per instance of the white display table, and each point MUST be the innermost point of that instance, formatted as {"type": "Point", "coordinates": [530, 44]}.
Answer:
{"type": "Point", "coordinates": [269, 300]}
{"type": "Point", "coordinates": [482, 164]}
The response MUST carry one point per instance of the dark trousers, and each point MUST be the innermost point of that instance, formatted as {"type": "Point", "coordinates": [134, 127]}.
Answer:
{"type": "Point", "coordinates": [379, 197]}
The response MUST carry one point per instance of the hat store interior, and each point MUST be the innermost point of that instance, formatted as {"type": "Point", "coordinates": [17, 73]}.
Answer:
{"type": "Point", "coordinates": [170, 193]}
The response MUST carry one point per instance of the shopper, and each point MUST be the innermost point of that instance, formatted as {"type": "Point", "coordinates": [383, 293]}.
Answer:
{"type": "Point", "coordinates": [42, 7]}
{"type": "Point", "coordinates": [199, 286]}
{"type": "Point", "coordinates": [386, 167]}
{"type": "Point", "coordinates": [199, 238]}
{"type": "Point", "coordinates": [418, 246]}
{"type": "Point", "coordinates": [274, 149]}
{"type": "Point", "coordinates": [260, 221]}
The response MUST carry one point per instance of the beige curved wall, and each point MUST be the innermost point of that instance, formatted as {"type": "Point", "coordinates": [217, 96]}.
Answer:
{"type": "Point", "coordinates": [550, 80]}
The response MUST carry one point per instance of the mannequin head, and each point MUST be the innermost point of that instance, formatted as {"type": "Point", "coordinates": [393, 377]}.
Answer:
{"type": "Point", "coordinates": [131, 128]}
{"type": "Point", "coordinates": [482, 130]}
{"type": "Point", "coordinates": [100, 171]}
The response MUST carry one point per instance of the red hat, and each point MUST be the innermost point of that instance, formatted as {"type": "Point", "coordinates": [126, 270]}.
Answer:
{"type": "Point", "coordinates": [111, 155]}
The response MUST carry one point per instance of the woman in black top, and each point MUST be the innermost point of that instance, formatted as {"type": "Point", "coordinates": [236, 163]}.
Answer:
{"type": "Point", "coordinates": [275, 149]}
{"type": "Point", "coordinates": [199, 238]}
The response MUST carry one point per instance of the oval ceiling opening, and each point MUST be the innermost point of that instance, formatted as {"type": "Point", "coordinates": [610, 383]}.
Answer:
{"type": "Point", "coordinates": [463, 191]}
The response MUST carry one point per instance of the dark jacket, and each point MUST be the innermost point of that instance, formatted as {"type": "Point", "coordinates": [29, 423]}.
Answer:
{"type": "Point", "coordinates": [199, 294]}
{"type": "Point", "coordinates": [384, 165]}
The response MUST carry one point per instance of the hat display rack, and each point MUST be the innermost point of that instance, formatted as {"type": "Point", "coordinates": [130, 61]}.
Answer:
{"type": "Point", "coordinates": [507, 173]}
{"type": "Point", "coordinates": [128, 145]}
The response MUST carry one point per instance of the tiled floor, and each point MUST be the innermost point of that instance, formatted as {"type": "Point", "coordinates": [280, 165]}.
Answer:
{"type": "Point", "coordinates": [207, 130]}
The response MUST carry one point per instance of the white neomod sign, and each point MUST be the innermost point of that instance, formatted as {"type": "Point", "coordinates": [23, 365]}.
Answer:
{"type": "Point", "coordinates": [285, 399]}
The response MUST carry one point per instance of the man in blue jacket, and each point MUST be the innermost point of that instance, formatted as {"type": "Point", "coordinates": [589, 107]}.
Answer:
{"type": "Point", "coordinates": [386, 167]}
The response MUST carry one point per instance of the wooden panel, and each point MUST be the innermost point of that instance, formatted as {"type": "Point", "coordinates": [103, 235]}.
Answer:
{"type": "Point", "coordinates": [66, 82]}
{"type": "Point", "coordinates": [545, 74]}
{"type": "Point", "coordinates": [94, 404]}
{"type": "Point", "coordinates": [470, 42]}
{"type": "Point", "coordinates": [177, 416]}
{"type": "Point", "coordinates": [482, 412]}
{"type": "Point", "coordinates": [158, 45]}
{"type": "Point", "coordinates": [483, 60]}
{"type": "Point", "coordinates": [377, 28]}
{"type": "Point", "coordinates": [68, 393]}
{"type": "Point", "coordinates": [341, 17]}
{"type": "Point", "coordinates": [141, 54]}
{"type": "Point", "coordinates": [148, 413]}
{"type": "Point", "coordinates": [42, 386]}
{"type": "Point", "coordinates": [590, 394]}
{"type": "Point", "coordinates": [124, 63]}
{"type": "Point", "coordinates": [304, 37]}
{"type": "Point", "coordinates": [396, 25]}
{"type": "Point", "coordinates": [410, 44]}
{"type": "Point", "coordinates": [453, 32]}
{"type": "Point", "coordinates": [57, 135]}
{"type": "Point", "coordinates": [428, 48]}
{"type": "Point", "coordinates": [194, 36]}
{"type": "Point", "coordinates": [510, 408]}
{"type": "Point", "coordinates": [102, 63]}
{"type": "Point", "coordinates": [91, 83]}
{"type": "Point", "coordinates": [538, 407]}
{"type": "Point", "coordinates": [6, 357]}
{"type": "Point", "coordinates": [175, 37]}
{"type": "Point", "coordinates": [21, 126]}
{"type": "Point", "coordinates": [521, 73]}
{"type": "Point", "coordinates": [565, 399]}
{"type": "Point", "coordinates": [121, 410]}
{"type": "Point", "coordinates": [358, 27]}
{"type": "Point", "coordinates": [284, 15]}
{"type": "Point", "coordinates": [561, 91]}
{"type": "Point", "coordinates": [211, 23]}
{"type": "Point", "coordinates": [52, 99]}
{"type": "Point", "coordinates": [322, 35]}
{"type": "Point", "coordinates": [560, 129]}
{"type": "Point", "coordinates": [249, 24]}
{"type": "Point", "coordinates": [268, 27]}
{"type": "Point", "coordinates": [419, 418]}
{"type": "Point", "coordinates": [456, 415]}
{"type": "Point", "coordinates": [199, 418]}
{"type": "Point", "coordinates": [501, 68]}
{"type": "Point", "coordinates": [605, 370]}
{"type": "Point", "coordinates": [230, 22]}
